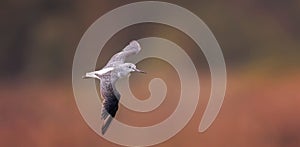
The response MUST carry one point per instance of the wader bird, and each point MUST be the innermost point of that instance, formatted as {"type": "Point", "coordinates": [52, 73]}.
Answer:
{"type": "Point", "coordinates": [116, 68]}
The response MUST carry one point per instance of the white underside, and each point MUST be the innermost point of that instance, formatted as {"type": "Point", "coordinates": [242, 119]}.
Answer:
{"type": "Point", "coordinates": [99, 72]}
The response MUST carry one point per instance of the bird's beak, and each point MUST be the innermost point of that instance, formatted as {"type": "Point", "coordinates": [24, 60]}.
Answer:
{"type": "Point", "coordinates": [140, 71]}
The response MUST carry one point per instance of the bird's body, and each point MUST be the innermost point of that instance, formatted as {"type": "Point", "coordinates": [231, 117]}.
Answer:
{"type": "Point", "coordinates": [116, 68]}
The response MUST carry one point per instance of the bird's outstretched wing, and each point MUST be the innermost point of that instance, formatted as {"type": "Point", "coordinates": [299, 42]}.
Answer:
{"type": "Point", "coordinates": [108, 91]}
{"type": "Point", "coordinates": [110, 102]}
{"type": "Point", "coordinates": [119, 58]}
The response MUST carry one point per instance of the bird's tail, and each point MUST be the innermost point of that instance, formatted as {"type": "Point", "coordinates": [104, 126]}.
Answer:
{"type": "Point", "coordinates": [90, 75]}
{"type": "Point", "coordinates": [106, 119]}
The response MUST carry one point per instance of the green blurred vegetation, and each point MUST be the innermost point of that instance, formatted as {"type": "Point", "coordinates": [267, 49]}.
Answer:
{"type": "Point", "coordinates": [39, 37]}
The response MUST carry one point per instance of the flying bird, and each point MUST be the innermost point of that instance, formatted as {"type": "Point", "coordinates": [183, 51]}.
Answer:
{"type": "Point", "coordinates": [115, 68]}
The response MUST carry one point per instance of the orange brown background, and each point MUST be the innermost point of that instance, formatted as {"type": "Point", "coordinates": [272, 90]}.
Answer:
{"type": "Point", "coordinates": [260, 43]}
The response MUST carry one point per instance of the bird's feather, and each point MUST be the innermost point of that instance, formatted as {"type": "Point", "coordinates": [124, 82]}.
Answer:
{"type": "Point", "coordinates": [97, 74]}
{"type": "Point", "coordinates": [131, 49]}
{"type": "Point", "coordinates": [110, 102]}
{"type": "Point", "coordinates": [105, 124]}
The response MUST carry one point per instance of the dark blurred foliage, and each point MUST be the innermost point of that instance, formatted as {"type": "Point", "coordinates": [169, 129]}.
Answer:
{"type": "Point", "coordinates": [39, 37]}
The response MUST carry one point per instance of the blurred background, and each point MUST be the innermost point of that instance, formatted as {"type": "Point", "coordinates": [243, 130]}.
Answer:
{"type": "Point", "coordinates": [259, 40]}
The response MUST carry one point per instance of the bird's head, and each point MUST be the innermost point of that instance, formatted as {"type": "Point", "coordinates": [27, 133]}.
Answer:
{"type": "Point", "coordinates": [132, 68]}
{"type": "Point", "coordinates": [127, 68]}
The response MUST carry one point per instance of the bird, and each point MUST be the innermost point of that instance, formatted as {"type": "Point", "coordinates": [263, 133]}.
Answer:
{"type": "Point", "coordinates": [115, 69]}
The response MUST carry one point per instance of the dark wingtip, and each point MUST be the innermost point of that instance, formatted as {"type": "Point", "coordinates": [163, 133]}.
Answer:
{"type": "Point", "coordinates": [106, 125]}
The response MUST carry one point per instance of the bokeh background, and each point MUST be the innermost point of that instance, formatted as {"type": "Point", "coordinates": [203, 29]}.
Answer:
{"type": "Point", "coordinates": [259, 39]}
